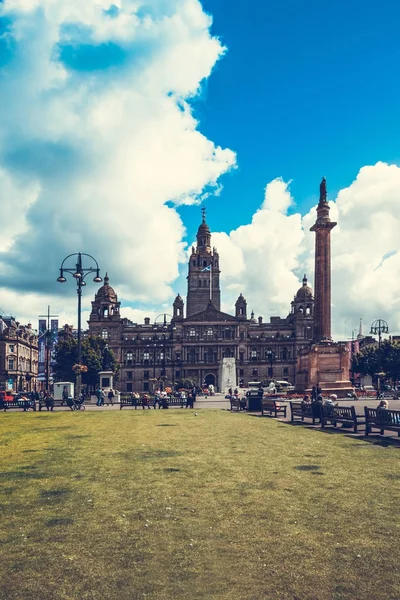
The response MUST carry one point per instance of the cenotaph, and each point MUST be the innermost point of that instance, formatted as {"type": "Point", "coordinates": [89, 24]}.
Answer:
{"type": "Point", "coordinates": [227, 375]}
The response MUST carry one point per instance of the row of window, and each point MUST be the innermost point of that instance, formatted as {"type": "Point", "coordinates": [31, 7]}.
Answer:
{"type": "Point", "coordinates": [23, 365]}
{"type": "Point", "coordinates": [211, 355]}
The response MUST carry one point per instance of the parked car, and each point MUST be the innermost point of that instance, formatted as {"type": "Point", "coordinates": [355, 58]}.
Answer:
{"type": "Point", "coordinates": [284, 386]}
{"type": "Point", "coordinates": [6, 396]}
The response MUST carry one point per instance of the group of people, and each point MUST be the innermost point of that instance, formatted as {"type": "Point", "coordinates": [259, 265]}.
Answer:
{"type": "Point", "coordinates": [234, 394]}
{"type": "Point", "coordinates": [100, 395]}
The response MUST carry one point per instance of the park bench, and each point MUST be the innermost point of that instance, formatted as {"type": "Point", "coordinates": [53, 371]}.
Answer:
{"type": "Point", "coordinates": [235, 404]}
{"type": "Point", "coordinates": [134, 403]}
{"type": "Point", "coordinates": [24, 404]}
{"type": "Point", "coordinates": [381, 418]}
{"type": "Point", "coordinates": [174, 402]}
{"type": "Point", "coordinates": [58, 402]}
{"type": "Point", "coordinates": [272, 407]}
{"type": "Point", "coordinates": [338, 414]}
{"type": "Point", "coordinates": [303, 411]}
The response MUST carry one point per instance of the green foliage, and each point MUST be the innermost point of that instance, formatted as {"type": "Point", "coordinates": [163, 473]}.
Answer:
{"type": "Point", "coordinates": [96, 355]}
{"type": "Point", "coordinates": [384, 361]}
{"type": "Point", "coordinates": [188, 384]}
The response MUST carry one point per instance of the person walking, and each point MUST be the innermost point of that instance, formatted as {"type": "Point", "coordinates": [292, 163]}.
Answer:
{"type": "Point", "coordinates": [111, 397]}
{"type": "Point", "coordinates": [102, 396]}
{"type": "Point", "coordinates": [98, 396]}
{"type": "Point", "coordinates": [65, 395]}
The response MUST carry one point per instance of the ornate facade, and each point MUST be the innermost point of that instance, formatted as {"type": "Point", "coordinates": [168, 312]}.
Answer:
{"type": "Point", "coordinates": [178, 347]}
{"type": "Point", "coordinates": [18, 356]}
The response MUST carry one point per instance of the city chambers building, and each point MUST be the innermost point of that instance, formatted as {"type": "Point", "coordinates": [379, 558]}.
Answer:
{"type": "Point", "coordinates": [192, 344]}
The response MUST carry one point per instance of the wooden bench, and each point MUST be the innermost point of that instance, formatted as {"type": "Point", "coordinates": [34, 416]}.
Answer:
{"type": "Point", "coordinates": [338, 414]}
{"type": "Point", "coordinates": [302, 410]}
{"type": "Point", "coordinates": [24, 404]}
{"type": "Point", "coordinates": [174, 402]}
{"type": "Point", "coordinates": [134, 403]}
{"type": "Point", "coordinates": [58, 402]}
{"type": "Point", "coordinates": [381, 418]}
{"type": "Point", "coordinates": [273, 408]}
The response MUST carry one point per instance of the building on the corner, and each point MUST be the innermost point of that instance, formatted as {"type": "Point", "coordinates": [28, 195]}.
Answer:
{"type": "Point", "coordinates": [192, 345]}
{"type": "Point", "coordinates": [18, 356]}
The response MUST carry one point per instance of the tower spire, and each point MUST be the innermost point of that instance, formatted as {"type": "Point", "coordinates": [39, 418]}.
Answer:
{"type": "Point", "coordinates": [203, 214]}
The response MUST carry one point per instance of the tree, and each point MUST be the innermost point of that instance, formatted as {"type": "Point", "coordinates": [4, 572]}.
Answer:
{"type": "Point", "coordinates": [374, 361]}
{"type": "Point", "coordinates": [96, 355]}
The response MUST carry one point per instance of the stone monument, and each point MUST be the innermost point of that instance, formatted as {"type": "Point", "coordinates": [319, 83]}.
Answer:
{"type": "Point", "coordinates": [227, 375]}
{"type": "Point", "coordinates": [325, 364]}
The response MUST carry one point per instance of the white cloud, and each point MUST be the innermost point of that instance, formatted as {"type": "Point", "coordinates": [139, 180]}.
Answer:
{"type": "Point", "coordinates": [90, 156]}
{"type": "Point", "coordinates": [267, 258]}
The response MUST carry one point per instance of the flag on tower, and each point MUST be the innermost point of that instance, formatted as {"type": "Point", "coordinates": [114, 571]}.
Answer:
{"type": "Point", "coordinates": [206, 269]}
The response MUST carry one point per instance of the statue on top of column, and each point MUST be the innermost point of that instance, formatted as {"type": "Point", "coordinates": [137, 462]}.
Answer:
{"type": "Point", "coordinates": [322, 191]}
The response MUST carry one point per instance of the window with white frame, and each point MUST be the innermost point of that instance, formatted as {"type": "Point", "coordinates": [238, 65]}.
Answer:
{"type": "Point", "coordinates": [104, 334]}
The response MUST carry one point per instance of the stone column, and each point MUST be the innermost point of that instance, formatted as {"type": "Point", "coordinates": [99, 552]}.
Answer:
{"type": "Point", "coordinates": [322, 277]}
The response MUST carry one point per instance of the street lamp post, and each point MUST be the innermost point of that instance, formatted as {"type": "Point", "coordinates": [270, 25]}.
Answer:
{"type": "Point", "coordinates": [378, 327]}
{"type": "Point", "coordinates": [271, 359]}
{"type": "Point", "coordinates": [79, 272]}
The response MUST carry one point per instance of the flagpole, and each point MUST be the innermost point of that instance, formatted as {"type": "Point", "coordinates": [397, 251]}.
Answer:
{"type": "Point", "coordinates": [210, 282]}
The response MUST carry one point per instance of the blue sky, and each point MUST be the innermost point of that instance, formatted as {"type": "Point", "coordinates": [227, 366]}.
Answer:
{"type": "Point", "coordinates": [305, 89]}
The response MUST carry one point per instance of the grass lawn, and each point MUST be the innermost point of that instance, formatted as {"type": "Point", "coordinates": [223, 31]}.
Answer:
{"type": "Point", "coordinates": [164, 505]}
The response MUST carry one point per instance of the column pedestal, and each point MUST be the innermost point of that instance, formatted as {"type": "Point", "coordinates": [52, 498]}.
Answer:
{"type": "Point", "coordinates": [327, 365]}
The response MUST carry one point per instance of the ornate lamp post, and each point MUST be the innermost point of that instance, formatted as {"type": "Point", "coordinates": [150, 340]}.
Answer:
{"type": "Point", "coordinates": [378, 327]}
{"type": "Point", "coordinates": [271, 357]}
{"type": "Point", "coordinates": [80, 273]}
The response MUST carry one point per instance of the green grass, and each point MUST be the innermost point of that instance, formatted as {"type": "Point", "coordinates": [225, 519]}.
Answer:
{"type": "Point", "coordinates": [163, 505]}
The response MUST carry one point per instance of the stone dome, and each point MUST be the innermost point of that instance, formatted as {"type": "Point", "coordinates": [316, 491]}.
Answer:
{"type": "Point", "coordinates": [203, 229]}
{"type": "Point", "coordinates": [305, 292]}
{"type": "Point", "coordinates": [106, 292]}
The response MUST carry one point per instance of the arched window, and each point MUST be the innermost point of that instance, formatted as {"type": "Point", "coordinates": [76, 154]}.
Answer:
{"type": "Point", "coordinates": [104, 334]}
{"type": "Point", "coordinates": [241, 310]}
{"type": "Point", "coordinates": [301, 310]}
{"type": "Point", "coordinates": [199, 282]}
{"type": "Point", "coordinates": [227, 353]}
{"type": "Point", "coordinates": [205, 283]}
{"type": "Point", "coordinates": [204, 263]}
{"type": "Point", "coordinates": [308, 310]}
{"type": "Point", "coordinates": [210, 356]}
{"type": "Point", "coordinates": [105, 311]}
